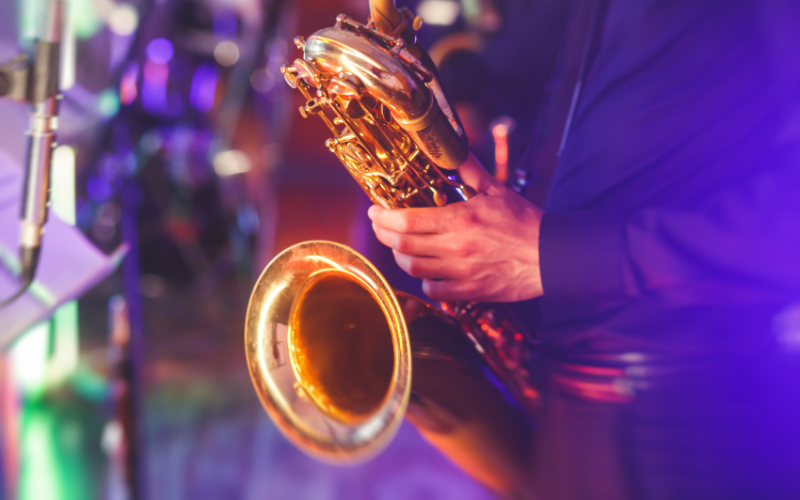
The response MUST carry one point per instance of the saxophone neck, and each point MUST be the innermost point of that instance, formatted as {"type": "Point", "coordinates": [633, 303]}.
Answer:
{"type": "Point", "coordinates": [388, 19]}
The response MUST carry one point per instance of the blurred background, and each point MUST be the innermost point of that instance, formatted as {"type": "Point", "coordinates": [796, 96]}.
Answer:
{"type": "Point", "coordinates": [183, 160]}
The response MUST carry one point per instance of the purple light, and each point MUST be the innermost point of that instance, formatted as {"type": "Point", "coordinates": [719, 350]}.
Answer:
{"type": "Point", "coordinates": [154, 87]}
{"type": "Point", "coordinates": [204, 88]}
{"type": "Point", "coordinates": [160, 51]}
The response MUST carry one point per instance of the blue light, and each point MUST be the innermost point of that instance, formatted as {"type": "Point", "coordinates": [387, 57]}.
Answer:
{"type": "Point", "coordinates": [84, 213]}
{"type": "Point", "coordinates": [226, 24]}
{"type": "Point", "coordinates": [160, 51]}
{"type": "Point", "coordinates": [98, 188]}
{"type": "Point", "coordinates": [247, 219]}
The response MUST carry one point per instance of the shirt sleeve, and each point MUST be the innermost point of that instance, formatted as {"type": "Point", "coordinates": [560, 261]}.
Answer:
{"type": "Point", "coordinates": [741, 243]}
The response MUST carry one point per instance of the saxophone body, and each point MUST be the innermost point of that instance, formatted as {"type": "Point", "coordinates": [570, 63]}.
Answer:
{"type": "Point", "coordinates": [330, 346]}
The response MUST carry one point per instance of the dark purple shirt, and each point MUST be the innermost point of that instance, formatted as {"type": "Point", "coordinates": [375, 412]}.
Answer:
{"type": "Point", "coordinates": [673, 219]}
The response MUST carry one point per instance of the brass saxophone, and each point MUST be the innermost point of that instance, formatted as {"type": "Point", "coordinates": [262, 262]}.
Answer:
{"type": "Point", "coordinates": [330, 346]}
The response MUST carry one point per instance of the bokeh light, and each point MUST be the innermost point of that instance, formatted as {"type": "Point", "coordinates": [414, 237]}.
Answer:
{"type": "Point", "coordinates": [123, 19]}
{"type": "Point", "coordinates": [160, 50]}
{"type": "Point", "coordinates": [439, 12]}
{"type": "Point", "coordinates": [226, 53]}
{"type": "Point", "coordinates": [232, 162]}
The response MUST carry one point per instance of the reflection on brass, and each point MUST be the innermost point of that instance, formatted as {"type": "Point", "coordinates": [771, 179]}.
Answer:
{"type": "Point", "coordinates": [329, 344]}
{"type": "Point", "coordinates": [340, 346]}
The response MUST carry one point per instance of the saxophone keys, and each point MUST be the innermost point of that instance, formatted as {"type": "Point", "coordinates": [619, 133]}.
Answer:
{"type": "Point", "coordinates": [290, 75]}
{"type": "Point", "coordinates": [341, 88]}
{"type": "Point", "coordinates": [348, 87]}
{"type": "Point", "coordinates": [378, 195]}
{"type": "Point", "coordinates": [346, 136]}
{"type": "Point", "coordinates": [368, 102]}
{"type": "Point", "coordinates": [354, 109]}
{"type": "Point", "coordinates": [311, 107]}
{"type": "Point", "coordinates": [439, 198]}
{"type": "Point", "coordinates": [468, 191]}
{"type": "Point", "coordinates": [305, 71]}
{"type": "Point", "coordinates": [386, 113]}
{"type": "Point", "coordinates": [416, 21]}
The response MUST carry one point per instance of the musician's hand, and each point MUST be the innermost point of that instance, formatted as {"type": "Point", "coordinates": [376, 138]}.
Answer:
{"type": "Point", "coordinates": [484, 249]}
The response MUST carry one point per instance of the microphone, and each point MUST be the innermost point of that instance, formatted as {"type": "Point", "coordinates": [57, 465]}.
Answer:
{"type": "Point", "coordinates": [43, 94]}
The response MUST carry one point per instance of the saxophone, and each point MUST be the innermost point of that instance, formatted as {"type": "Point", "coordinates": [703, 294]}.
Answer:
{"type": "Point", "coordinates": [330, 346]}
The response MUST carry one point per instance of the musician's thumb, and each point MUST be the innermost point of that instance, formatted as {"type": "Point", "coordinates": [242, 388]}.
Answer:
{"type": "Point", "coordinates": [478, 178]}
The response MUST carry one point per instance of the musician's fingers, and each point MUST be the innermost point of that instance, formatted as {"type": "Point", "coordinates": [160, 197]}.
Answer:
{"type": "Point", "coordinates": [435, 267]}
{"type": "Point", "coordinates": [430, 245]}
{"type": "Point", "coordinates": [474, 175]}
{"type": "Point", "coordinates": [453, 289]}
{"type": "Point", "coordinates": [417, 220]}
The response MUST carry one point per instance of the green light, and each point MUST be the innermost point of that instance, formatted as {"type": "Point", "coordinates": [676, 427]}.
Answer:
{"type": "Point", "coordinates": [39, 474]}
{"type": "Point", "coordinates": [84, 19]}
{"type": "Point", "coordinates": [30, 11]}
{"type": "Point", "coordinates": [59, 453]}
{"type": "Point", "coordinates": [108, 103]}
{"type": "Point", "coordinates": [64, 359]}
{"type": "Point", "coordinates": [472, 8]}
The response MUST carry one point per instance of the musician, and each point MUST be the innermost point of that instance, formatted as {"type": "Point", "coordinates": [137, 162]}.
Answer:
{"type": "Point", "coordinates": [667, 246]}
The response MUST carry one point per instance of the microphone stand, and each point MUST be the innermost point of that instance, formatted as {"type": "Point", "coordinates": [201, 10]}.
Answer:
{"type": "Point", "coordinates": [36, 83]}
